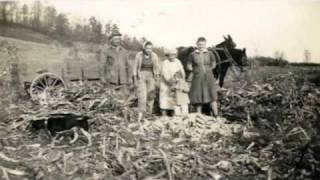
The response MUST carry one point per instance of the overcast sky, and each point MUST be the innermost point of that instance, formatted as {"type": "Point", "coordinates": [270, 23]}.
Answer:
{"type": "Point", "coordinates": [262, 26]}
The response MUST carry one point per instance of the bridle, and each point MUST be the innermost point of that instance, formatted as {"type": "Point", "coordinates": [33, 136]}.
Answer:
{"type": "Point", "coordinates": [229, 57]}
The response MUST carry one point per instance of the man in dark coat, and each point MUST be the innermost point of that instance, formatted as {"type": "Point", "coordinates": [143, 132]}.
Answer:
{"type": "Point", "coordinates": [115, 67]}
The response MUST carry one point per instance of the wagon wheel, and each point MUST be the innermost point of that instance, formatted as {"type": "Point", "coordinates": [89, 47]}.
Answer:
{"type": "Point", "coordinates": [46, 87]}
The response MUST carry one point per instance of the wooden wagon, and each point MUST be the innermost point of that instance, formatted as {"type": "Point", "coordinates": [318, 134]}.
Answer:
{"type": "Point", "coordinates": [76, 67]}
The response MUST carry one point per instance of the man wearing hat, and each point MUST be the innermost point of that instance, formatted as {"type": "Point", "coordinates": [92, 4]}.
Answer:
{"type": "Point", "coordinates": [115, 67]}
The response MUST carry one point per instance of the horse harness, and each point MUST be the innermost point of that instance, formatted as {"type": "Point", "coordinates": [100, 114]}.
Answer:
{"type": "Point", "coordinates": [229, 57]}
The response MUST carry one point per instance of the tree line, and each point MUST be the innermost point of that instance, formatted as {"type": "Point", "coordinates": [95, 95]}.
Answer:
{"type": "Point", "coordinates": [46, 19]}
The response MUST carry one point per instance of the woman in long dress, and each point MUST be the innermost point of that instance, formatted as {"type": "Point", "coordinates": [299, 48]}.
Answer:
{"type": "Point", "coordinates": [170, 68]}
{"type": "Point", "coordinates": [203, 87]}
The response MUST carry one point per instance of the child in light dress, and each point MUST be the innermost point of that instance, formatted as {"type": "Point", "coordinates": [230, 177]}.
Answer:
{"type": "Point", "coordinates": [181, 90]}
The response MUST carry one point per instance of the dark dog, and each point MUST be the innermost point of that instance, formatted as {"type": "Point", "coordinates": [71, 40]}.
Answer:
{"type": "Point", "coordinates": [58, 123]}
{"type": "Point", "coordinates": [61, 122]}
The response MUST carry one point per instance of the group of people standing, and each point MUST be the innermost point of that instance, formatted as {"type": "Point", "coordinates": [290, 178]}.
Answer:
{"type": "Point", "coordinates": [147, 73]}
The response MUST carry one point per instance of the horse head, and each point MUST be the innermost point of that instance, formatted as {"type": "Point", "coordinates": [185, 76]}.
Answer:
{"type": "Point", "coordinates": [239, 56]}
{"type": "Point", "coordinates": [227, 43]}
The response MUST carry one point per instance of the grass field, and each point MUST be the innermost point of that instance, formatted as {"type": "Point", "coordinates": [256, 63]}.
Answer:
{"type": "Point", "coordinates": [24, 34]}
{"type": "Point", "coordinates": [35, 56]}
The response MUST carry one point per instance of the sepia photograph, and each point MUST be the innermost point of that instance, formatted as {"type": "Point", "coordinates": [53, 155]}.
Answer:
{"type": "Point", "coordinates": [159, 89]}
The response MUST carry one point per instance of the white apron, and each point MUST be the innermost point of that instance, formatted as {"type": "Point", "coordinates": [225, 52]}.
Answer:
{"type": "Point", "coordinates": [168, 70]}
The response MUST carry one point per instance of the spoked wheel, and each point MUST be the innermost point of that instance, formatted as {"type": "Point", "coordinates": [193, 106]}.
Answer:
{"type": "Point", "coordinates": [46, 87]}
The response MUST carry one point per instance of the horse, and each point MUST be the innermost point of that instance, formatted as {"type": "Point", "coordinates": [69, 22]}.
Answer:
{"type": "Point", "coordinates": [224, 51]}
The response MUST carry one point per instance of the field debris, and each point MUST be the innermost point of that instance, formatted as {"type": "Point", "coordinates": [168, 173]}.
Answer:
{"type": "Point", "coordinates": [269, 131]}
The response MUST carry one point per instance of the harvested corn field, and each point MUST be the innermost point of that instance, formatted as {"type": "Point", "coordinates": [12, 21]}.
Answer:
{"type": "Point", "coordinates": [268, 131]}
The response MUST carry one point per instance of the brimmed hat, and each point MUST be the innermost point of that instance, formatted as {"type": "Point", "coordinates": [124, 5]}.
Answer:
{"type": "Point", "coordinates": [114, 34]}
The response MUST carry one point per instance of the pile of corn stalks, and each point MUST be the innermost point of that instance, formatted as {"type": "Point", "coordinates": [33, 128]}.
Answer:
{"type": "Point", "coordinates": [285, 109]}
{"type": "Point", "coordinates": [269, 132]}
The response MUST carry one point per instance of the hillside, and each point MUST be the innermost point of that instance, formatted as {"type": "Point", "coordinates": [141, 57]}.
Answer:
{"type": "Point", "coordinates": [35, 56]}
{"type": "Point", "coordinates": [37, 51]}
{"type": "Point", "coordinates": [24, 34]}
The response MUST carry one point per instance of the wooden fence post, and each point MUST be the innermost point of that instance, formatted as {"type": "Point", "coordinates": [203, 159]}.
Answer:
{"type": "Point", "coordinates": [15, 83]}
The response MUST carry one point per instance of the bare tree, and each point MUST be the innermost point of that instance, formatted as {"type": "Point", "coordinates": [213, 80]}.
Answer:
{"type": "Point", "coordinates": [5, 5]}
{"type": "Point", "coordinates": [25, 15]}
{"type": "Point", "coordinates": [107, 29]}
{"type": "Point", "coordinates": [36, 11]}
{"type": "Point", "coordinates": [61, 25]}
{"type": "Point", "coordinates": [279, 55]}
{"type": "Point", "coordinates": [11, 12]}
{"type": "Point", "coordinates": [307, 56]}
{"type": "Point", "coordinates": [18, 15]}
{"type": "Point", "coordinates": [50, 14]}
{"type": "Point", "coordinates": [115, 28]}
{"type": "Point", "coordinates": [95, 30]}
